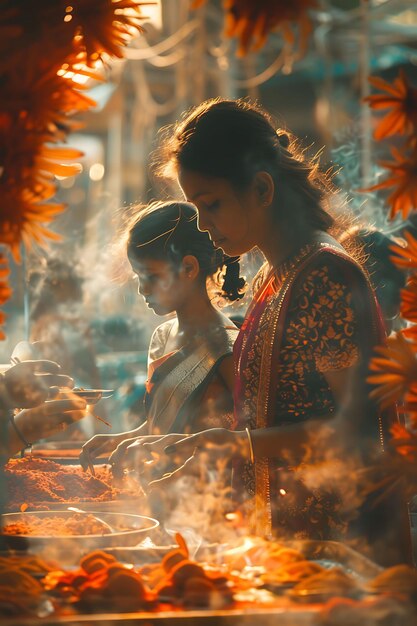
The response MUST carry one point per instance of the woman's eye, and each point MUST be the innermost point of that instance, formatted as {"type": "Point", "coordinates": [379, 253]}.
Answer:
{"type": "Point", "coordinates": [213, 206]}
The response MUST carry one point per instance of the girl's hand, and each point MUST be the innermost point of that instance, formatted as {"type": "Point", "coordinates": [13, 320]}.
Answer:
{"type": "Point", "coordinates": [97, 445]}
{"type": "Point", "coordinates": [29, 383]}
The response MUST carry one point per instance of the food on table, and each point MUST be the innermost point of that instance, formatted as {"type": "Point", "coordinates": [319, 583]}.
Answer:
{"type": "Point", "coordinates": [331, 582]}
{"type": "Point", "coordinates": [55, 526]}
{"type": "Point", "coordinates": [99, 582]}
{"type": "Point", "coordinates": [102, 582]}
{"type": "Point", "coordinates": [34, 482]}
{"type": "Point", "coordinates": [375, 611]}
{"type": "Point", "coordinates": [291, 572]}
{"type": "Point", "coordinates": [397, 579]}
{"type": "Point", "coordinates": [20, 585]}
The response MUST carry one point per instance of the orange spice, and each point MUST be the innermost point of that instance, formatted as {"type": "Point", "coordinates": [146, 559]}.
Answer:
{"type": "Point", "coordinates": [31, 481]}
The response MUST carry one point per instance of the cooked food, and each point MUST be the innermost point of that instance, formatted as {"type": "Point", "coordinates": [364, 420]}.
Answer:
{"type": "Point", "coordinates": [291, 572]}
{"type": "Point", "coordinates": [55, 526]}
{"type": "Point", "coordinates": [332, 582]}
{"type": "Point", "coordinates": [20, 587]}
{"type": "Point", "coordinates": [397, 579]}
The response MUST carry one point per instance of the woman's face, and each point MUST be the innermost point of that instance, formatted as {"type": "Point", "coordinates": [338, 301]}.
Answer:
{"type": "Point", "coordinates": [233, 220]}
{"type": "Point", "coordinates": [159, 284]}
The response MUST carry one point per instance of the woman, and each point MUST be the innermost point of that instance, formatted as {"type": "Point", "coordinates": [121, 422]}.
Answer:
{"type": "Point", "coordinates": [302, 353]}
{"type": "Point", "coordinates": [190, 378]}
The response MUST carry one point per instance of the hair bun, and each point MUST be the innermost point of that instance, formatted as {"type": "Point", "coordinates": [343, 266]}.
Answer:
{"type": "Point", "coordinates": [284, 140]}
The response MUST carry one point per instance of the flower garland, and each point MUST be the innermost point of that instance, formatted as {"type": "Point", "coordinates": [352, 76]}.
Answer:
{"type": "Point", "coordinates": [394, 369]}
{"type": "Point", "coordinates": [43, 46]}
{"type": "Point", "coordinates": [401, 99]}
{"type": "Point", "coordinates": [251, 21]}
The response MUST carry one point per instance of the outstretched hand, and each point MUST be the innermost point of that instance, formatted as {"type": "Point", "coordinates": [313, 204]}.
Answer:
{"type": "Point", "coordinates": [44, 420]}
{"type": "Point", "coordinates": [29, 383]}
{"type": "Point", "coordinates": [135, 455]}
{"type": "Point", "coordinates": [102, 443]}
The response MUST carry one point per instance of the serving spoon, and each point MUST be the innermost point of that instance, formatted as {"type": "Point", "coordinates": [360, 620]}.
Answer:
{"type": "Point", "coordinates": [98, 519]}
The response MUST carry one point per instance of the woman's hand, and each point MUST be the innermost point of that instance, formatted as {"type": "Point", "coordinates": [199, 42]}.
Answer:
{"type": "Point", "coordinates": [29, 383]}
{"type": "Point", "coordinates": [134, 454]}
{"type": "Point", "coordinates": [44, 420]}
{"type": "Point", "coordinates": [216, 444]}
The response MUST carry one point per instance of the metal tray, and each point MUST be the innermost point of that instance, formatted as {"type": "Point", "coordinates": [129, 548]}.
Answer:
{"type": "Point", "coordinates": [68, 549]}
{"type": "Point", "coordinates": [282, 613]}
{"type": "Point", "coordinates": [334, 553]}
{"type": "Point", "coordinates": [284, 616]}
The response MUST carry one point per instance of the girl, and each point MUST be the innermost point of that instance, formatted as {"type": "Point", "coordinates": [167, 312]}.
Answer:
{"type": "Point", "coordinates": [190, 377]}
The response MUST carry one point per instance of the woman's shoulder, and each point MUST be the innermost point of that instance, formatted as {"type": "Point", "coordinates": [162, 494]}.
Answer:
{"type": "Point", "coordinates": [333, 260]}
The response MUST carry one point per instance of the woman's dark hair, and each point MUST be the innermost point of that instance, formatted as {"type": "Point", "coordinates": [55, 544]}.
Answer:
{"type": "Point", "coordinates": [386, 278]}
{"type": "Point", "coordinates": [234, 139]}
{"type": "Point", "coordinates": [168, 231]}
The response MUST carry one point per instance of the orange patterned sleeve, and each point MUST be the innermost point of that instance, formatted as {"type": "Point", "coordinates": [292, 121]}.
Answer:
{"type": "Point", "coordinates": [324, 319]}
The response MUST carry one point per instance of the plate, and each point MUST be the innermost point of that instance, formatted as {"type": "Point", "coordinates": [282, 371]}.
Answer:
{"type": "Point", "coordinates": [92, 396]}
{"type": "Point", "coordinates": [64, 452]}
{"type": "Point", "coordinates": [69, 548]}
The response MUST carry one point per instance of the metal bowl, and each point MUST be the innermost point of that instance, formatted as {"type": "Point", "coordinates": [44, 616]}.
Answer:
{"type": "Point", "coordinates": [68, 549]}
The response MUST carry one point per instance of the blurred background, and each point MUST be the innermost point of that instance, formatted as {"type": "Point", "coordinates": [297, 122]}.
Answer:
{"type": "Point", "coordinates": [77, 296]}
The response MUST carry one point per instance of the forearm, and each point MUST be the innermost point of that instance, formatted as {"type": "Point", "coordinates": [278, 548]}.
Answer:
{"type": "Point", "coordinates": [289, 442]}
{"type": "Point", "coordinates": [10, 443]}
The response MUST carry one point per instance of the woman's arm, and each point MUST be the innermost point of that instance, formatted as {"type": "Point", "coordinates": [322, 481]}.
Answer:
{"type": "Point", "coordinates": [341, 426]}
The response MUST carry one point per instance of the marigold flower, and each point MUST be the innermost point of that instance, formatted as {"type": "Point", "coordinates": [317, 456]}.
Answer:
{"type": "Point", "coordinates": [404, 178]}
{"type": "Point", "coordinates": [41, 101]}
{"type": "Point", "coordinates": [24, 187]}
{"type": "Point", "coordinates": [408, 307]}
{"type": "Point", "coordinates": [250, 21]}
{"type": "Point", "coordinates": [395, 370]}
{"type": "Point", "coordinates": [405, 257]}
{"type": "Point", "coordinates": [401, 98]}
{"type": "Point", "coordinates": [106, 26]}
{"type": "Point", "coordinates": [59, 28]}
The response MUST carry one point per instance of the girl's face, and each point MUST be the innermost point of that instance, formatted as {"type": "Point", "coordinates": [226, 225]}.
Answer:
{"type": "Point", "coordinates": [233, 220]}
{"type": "Point", "coordinates": [163, 288]}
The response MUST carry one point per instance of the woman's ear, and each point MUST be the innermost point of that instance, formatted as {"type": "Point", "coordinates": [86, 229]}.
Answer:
{"type": "Point", "coordinates": [264, 187]}
{"type": "Point", "coordinates": [190, 267]}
